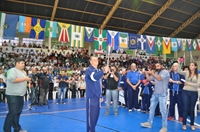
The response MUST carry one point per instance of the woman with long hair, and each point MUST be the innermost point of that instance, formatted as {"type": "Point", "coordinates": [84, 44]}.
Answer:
{"type": "Point", "coordinates": [190, 92]}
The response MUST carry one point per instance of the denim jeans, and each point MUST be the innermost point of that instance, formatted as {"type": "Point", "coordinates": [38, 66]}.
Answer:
{"type": "Point", "coordinates": [15, 106]}
{"type": "Point", "coordinates": [33, 95]}
{"type": "Point", "coordinates": [189, 100]}
{"type": "Point", "coordinates": [114, 95]}
{"type": "Point", "coordinates": [61, 91]}
{"type": "Point", "coordinates": [161, 99]}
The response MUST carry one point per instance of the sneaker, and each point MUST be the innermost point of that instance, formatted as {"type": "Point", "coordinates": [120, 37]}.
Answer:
{"type": "Point", "coordinates": [63, 103]}
{"type": "Point", "coordinates": [107, 113]}
{"type": "Point", "coordinates": [192, 127]}
{"type": "Point", "coordinates": [184, 127]}
{"type": "Point", "coordinates": [181, 119]}
{"type": "Point", "coordinates": [57, 103]}
{"type": "Point", "coordinates": [138, 110]}
{"type": "Point", "coordinates": [163, 129]}
{"type": "Point", "coordinates": [130, 110]}
{"type": "Point", "coordinates": [171, 118]}
{"type": "Point", "coordinates": [116, 114]}
{"type": "Point", "coordinates": [146, 124]}
{"type": "Point", "coordinates": [23, 131]}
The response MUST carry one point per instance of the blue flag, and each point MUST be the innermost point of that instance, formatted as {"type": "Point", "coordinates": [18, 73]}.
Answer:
{"type": "Point", "coordinates": [189, 44]}
{"type": "Point", "coordinates": [141, 42]}
{"type": "Point", "coordinates": [179, 43]}
{"type": "Point", "coordinates": [113, 39]}
{"type": "Point", "coordinates": [10, 26]}
{"type": "Point", "coordinates": [174, 44]}
{"type": "Point", "coordinates": [132, 43]}
{"type": "Point", "coordinates": [151, 47]}
{"type": "Point", "coordinates": [37, 28]}
{"type": "Point", "coordinates": [89, 37]}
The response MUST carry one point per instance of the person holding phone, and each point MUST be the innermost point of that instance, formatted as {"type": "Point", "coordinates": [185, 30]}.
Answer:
{"type": "Point", "coordinates": [190, 92]}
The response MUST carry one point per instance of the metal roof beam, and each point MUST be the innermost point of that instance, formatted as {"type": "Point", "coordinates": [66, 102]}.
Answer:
{"type": "Point", "coordinates": [114, 8]}
{"type": "Point", "coordinates": [198, 36]}
{"type": "Point", "coordinates": [54, 10]}
{"type": "Point", "coordinates": [155, 16]}
{"type": "Point", "coordinates": [191, 19]}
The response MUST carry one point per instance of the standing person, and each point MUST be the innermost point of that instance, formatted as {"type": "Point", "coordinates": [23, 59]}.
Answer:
{"type": "Point", "coordinates": [62, 86]}
{"type": "Point", "coordinates": [190, 92]}
{"type": "Point", "coordinates": [45, 80]}
{"type": "Point", "coordinates": [176, 87]}
{"type": "Point", "coordinates": [33, 83]}
{"type": "Point", "coordinates": [82, 87]}
{"type": "Point", "coordinates": [93, 92]}
{"type": "Point", "coordinates": [161, 79]}
{"type": "Point", "coordinates": [133, 80]}
{"type": "Point", "coordinates": [16, 89]}
{"type": "Point", "coordinates": [112, 90]}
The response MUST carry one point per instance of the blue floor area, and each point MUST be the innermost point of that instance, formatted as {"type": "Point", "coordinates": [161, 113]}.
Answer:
{"type": "Point", "coordinates": [71, 117]}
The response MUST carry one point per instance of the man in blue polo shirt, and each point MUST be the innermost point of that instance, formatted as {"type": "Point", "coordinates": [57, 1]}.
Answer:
{"type": "Point", "coordinates": [133, 79]}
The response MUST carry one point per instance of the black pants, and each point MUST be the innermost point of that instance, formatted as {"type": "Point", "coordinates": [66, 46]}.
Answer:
{"type": "Point", "coordinates": [82, 92]}
{"type": "Point", "coordinates": [74, 92]}
{"type": "Point", "coordinates": [43, 96]}
{"type": "Point", "coordinates": [15, 106]}
{"type": "Point", "coordinates": [2, 92]}
{"type": "Point", "coordinates": [50, 96]}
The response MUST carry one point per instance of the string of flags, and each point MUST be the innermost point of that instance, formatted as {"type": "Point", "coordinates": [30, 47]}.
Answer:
{"type": "Point", "coordinates": [77, 35]}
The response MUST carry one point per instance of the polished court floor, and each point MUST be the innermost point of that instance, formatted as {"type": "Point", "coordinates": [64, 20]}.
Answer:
{"type": "Point", "coordinates": [71, 117]}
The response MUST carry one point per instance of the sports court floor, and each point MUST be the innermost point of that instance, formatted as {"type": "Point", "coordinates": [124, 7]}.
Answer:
{"type": "Point", "coordinates": [71, 117]}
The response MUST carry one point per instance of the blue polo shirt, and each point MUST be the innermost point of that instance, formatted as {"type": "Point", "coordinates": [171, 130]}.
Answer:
{"type": "Point", "coordinates": [176, 78]}
{"type": "Point", "coordinates": [133, 76]}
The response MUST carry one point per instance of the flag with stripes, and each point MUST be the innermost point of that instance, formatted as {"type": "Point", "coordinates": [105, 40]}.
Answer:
{"type": "Point", "coordinates": [63, 31]}
{"type": "Point", "coordinates": [141, 42]}
{"type": "Point", "coordinates": [37, 28]}
{"type": "Point", "coordinates": [77, 36]}
{"type": "Point", "coordinates": [174, 44]}
{"type": "Point", "coordinates": [189, 44]}
{"type": "Point", "coordinates": [198, 44]}
{"type": "Point", "coordinates": [89, 37]}
{"type": "Point", "coordinates": [113, 39]}
{"type": "Point", "coordinates": [24, 24]}
{"type": "Point", "coordinates": [194, 44]}
{"type": "Point", "coordinates": [50, 29]}
{"type": "Point", "coordinates": [159, 45]}
{"type": "Point", "coordinates": [132, 41]}
{"type": "Point", "coordinates": [179, 43]}
{"type": "Point", "coordinates": [123, 40]}
{"type": "Point", "coordinates": [100, 40]}
{"type": "Point", "coordinates": [151, 48]}
{"type": "Point", "coordinates": [166, 45]}
{"type": "Point", "coordinates": [2, 21]}
{"type": "Point", "coordinates": [184, 42]}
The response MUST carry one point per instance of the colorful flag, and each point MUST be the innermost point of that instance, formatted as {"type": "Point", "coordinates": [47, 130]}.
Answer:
{"type": "Point", "coordinates": [2, 21]}
{"type": "Point", "coordinates": [123, 40]}
{"type": "Point", "coordinates": [174, 44]}
{"type": "Point", "coordinates": [100, 40]}
{"type": "Point", "coordinates": [159, 46]}
{"type": "Point", "coordinates": [198, 44]}
{"type": "Point", "coordinates": [77, 36]}
{"type": "Point", "coordinates": [166, 45]}
{"type": "Point", "coordinates": [37, 28]}
{"type": "Point", "coordinates": [141, 42]}
{"type": "Point", "coordinates": [24, 24]}
{"type": "Point", "coordinates": [10, 26]}
{"type": "Point", "coordinates": [194, 44]}
{"type": "Point", "coordinates": [151, 48]}
{"type": "Point", "coordinates": [50, 29]}
{"type": "Point", "coordinates": [64, 30]}
{"type": "Point", "coordinates": [179, 43]}
{"type": "Point", "coordinates": [184, 42]}
{"type": "Point", "coordinates": [189, 44]}
{"type": "Point", "coordinates": [113, 39]}
{"type": "Point", "coordinates": [132, 41]}
{"type": "Point", "coordinates": [89, 37]}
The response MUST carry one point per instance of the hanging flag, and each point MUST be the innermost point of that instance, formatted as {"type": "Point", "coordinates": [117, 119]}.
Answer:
{"type": "Point", "coordinates": [194, 44]}
{"type": "Point", "coordinates": [189, 44]}
{"type": "Point", "coordinates": [198, 44]}
{"type": "Point", "coordinates": [113, 39]}
{"type": "Point", "coordinates": [151, 48]}
{"type": "Point", "coordinates": [64, 30]}
{"type": "Point", "coordinates": [159, 46]}
{"type": "Point", "coordinates": [123, 40]}
{"type": "Point", "coordinates": [100, 40]}
{"type": "Point", "coordinates": [50, 29]}
{"type": "Point", "coordinates": [184, 42]}
{"type": "Point", "coordinates": [174, 44]}
{"type": "Point", "coordinates": [24, 24]}
{"type": "Point", "coordinates": [166, 45]}
{"type": "Point", "coordinates": [77, 36]}
{"type": "Point", "coordinates": [10, 26]}
{"type": "Point", "coordinates": [179, 43]}
{"type": "Point", "coordinates": [132, 41]}
{"type": "Point", "coordinates": [2, 21]}
{"type": "Point", "coordinates": [89, 37]}
{"type": "Point", "coordinates": [37, 28]}
{"type": "Point", "coordinates": [141, 42]}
